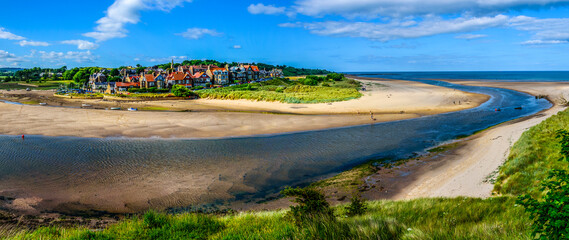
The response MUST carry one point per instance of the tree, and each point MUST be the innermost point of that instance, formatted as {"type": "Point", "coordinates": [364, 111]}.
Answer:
{"type": "Point", "coordinates": [115, 72]}
{"type": "Point", "coordinates": [180, 91]}
{"type": "Point", "coordinates": [551, 213]}
{"type": "Point", "coordinates": [69, 74]}
{"type": "Point", "coordinates": [335, 76]}
{"type": "Point", "coordinates": [81, 76]}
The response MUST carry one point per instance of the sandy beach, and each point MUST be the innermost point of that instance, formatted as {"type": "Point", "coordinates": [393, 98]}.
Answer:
{"type": "Point", "coordinates": [388, 100]}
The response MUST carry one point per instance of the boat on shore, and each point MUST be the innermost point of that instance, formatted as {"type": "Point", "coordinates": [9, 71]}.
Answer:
{"type": "Point", "coordinates": [86, 105]}
{"type": "Point", "coordinates": [133, 109]}
{"type": "Point", "coordinates": [115, 108]}
{"type": "Point", "coordinates": [43, 104]}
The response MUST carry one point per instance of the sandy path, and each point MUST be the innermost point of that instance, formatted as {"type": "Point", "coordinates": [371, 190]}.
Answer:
{"type": "Point", "coordinates": [389, 100]}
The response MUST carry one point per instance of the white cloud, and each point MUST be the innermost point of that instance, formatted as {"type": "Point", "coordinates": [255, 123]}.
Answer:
{"type": "Point", "coordinates": [543, 42]}
{"type": "Point", "coordinates": [265, 9]}
{"type": "Point", "coordinates": [167, 59]}
{"type": "Point", "coordinates": [58, 57]}
{"type": "Point", "coordinates": [399, 29]}
{"type": "Point", "coordinates": [123, 12]}
{"type": "Point", "coordinates": [549, 29]}
{"type": "Point", "coordinates": [24, 43]}
{"type": "Point", "coordinates": [10, 57]}
{"type": "Point", "coordinates": [197, 33]}
{"type": "Point", "coordinates": [471, 36]}
{"type": "Point", "coordinates": [82, 44]}
{"type": "Point", "coordinates": [236, 46]}
{"type": "Point", "coordinates": [8, 35]}
{"type": "Point", "coordinates": [401, 8]}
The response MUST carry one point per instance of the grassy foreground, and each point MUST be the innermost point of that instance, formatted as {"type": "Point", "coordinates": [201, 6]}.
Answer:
{"type": "Point", "coordinates": [435, 218]}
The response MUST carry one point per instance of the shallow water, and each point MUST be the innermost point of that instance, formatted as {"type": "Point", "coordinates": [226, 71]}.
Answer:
{"type": "Point", "coordinates": [126, 175]}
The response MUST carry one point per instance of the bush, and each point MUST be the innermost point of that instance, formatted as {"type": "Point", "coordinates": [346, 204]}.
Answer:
{"type": "Point", "coordinates": [280, 89]}
{"type": "Point", "coordinates": [181, 91]}
{"type": "Point", "coordinates": [357, 207]}
{"type": "Point", "coordinates": [335, 76]}
{"type": "Point", "coordinates": [312, 205]}
{"type": "Point", "coordinates": [197, 88]}
{"type": "Point", "coordinates": [310, 82]}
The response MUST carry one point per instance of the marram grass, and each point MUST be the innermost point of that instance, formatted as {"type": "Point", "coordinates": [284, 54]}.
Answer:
{"type": "Point", "coordinates": [434, 218]}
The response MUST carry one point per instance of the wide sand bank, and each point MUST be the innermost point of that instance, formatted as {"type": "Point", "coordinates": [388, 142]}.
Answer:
{"type": "Point", "coordinates": [388, 100]}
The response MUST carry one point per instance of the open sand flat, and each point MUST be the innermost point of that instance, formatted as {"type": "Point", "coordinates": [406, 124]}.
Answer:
{"type": "Point", "coordinates": [388, 100]}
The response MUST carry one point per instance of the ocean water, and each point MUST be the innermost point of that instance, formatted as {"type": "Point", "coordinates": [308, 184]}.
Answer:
{"type": "Point", "coordinates": [505, 76]}
{"type": "Point", "coordinates": [129, 175]}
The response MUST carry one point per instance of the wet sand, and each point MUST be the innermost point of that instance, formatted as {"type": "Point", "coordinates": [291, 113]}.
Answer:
{"type": "Point", "coordinates": [388, 100]}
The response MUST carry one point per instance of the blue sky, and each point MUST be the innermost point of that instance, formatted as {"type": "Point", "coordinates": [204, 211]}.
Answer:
{"type": "Point", "coordinates": [339, 35]}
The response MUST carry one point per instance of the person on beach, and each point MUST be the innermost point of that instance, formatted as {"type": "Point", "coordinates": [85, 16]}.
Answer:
{"type": "Point", "coordinates": [371, 115]}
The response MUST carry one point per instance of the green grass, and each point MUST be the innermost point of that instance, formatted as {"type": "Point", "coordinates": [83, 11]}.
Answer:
{"type": "Point", "coordinates": [144, 95]}
{"type": "Point", "coordinates": [435, 218]}
{"type": "Point", "coordinates": [532, 157]}
{"type": "Point", "coordinates": [286, 92]}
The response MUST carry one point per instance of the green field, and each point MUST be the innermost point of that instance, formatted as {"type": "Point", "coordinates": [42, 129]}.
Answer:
{"type": "Point", "coordinates": [281, 90]}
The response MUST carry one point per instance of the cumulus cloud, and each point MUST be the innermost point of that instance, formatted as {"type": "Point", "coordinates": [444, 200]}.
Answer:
{"type": "Point", "coordinates": [123, 12]}
{"type": "Point", "coordinates": [197, 33]}
{"type": "Point", "coordinates": [82, 44]}
{"type": "Point", "coordinates": [399, 8]}
{"type": "Point", "coordinates": [265, 9]}
{"type": "Point", "coordinates": [24, 43]}
{"type": "Point", "coordinates": [8, 35]}
{"type": "Point", "coordinates": [397, 29]}
{"type": "Point", "coordinates": [471, 36]}
{"type": "Point", "coordinates": [236, 46]}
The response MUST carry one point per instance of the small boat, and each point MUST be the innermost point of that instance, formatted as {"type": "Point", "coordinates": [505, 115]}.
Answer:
{"type": "Point", "coordinates": [85, 105]}
{"type": "Point", "coordinates": [518, 108]}
{"type": "Point", "coordinates": [497, 110]}
{"type": "Point", "coordinates": [133, 109]}
{"type": "Point", "coordinates": [43, 104]}
{"type": "Point", "coordinates": [115, 108]}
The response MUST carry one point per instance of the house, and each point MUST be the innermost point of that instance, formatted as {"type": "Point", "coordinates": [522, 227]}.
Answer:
{"type": "Point", "coordinates": [97, 77]}
{"type": "Point", "coordinates": [111, 88]}
{"type": "Point", "coordinates": [277, 73]}
{"type": "Point", "coordinates": [201, 79]}
{"type": "Point", "coordinates": [179, 78]}
{"type": "Point", "coordinates": [198, 68]}
{"type": "Point", "coordinates": [132, 79]}
{"type": "Point", "coordinates": [99, 87]}
{"type": "Point", "coordinates": [237, 74]}
{"type": "Point", "coordinates": [124, 86]}
{"type": "Point", "coordinates": [218, 76]}
{"type": "Point", "coordinates": [151, 80]}
{"type": "Point", "coordinates": [184, 68]}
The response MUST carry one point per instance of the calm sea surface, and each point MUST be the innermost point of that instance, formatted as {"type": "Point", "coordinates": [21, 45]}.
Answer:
{"type": "Point", "coordinates": [506, 76]}
{"type": "Point", "coordinates": [126, 175]}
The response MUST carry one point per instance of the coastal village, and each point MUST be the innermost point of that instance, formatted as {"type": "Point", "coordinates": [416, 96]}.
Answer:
{"type": "Point", "coordinates": [192, 77]}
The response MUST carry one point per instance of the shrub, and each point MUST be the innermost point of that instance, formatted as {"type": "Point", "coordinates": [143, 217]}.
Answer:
{"type": "Point", "coordinates": [312, 205]}
{"type": "Point", "coordinates": [280, 89]}
{"type": "Point", "coordinates": [181, 91]}
{"type": "Point", "coordinates": [357, 207]}
{"type": "Point", "coordinates": [310, 82]}
{"type": "Point", "coordinates": [335, 76]}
